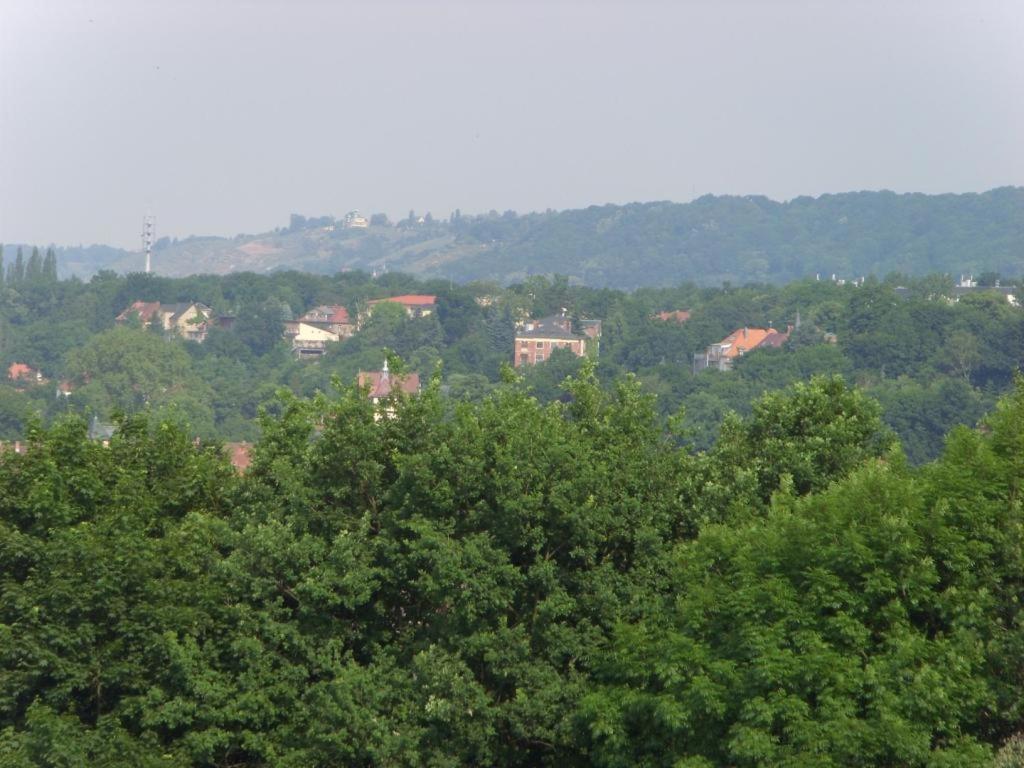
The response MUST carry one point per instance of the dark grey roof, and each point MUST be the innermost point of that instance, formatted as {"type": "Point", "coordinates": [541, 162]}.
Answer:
{"type": "Point", "coordinates": [98, 431]}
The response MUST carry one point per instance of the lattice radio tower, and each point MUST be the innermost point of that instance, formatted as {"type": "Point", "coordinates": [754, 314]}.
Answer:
{"type": "Point", "coordinates": [147, 239]}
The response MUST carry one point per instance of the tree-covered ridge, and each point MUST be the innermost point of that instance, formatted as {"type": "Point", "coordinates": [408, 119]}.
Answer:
{"type": "Point", "coordinates": [512, 583]}
{"type": "Point", "coordinates": [708, 241]}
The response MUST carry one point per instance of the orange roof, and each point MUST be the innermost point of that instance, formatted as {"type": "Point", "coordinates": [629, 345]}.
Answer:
{"type": "Point", "coordinates": [20, 371]}
{"type": "Point", "coordinates": [382, 384]}
{"type": "Point", "coordinates": [410, 300]}
{"type": "Point", "coordinates": [144, 309]}
{"type": "Point", "coordinates": [744, 339]}
{"type": "Point", "coordinates": [239, 455]}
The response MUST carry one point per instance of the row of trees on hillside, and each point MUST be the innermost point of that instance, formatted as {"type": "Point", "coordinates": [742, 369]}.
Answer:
{"type": "Point", "coordinates": [930, 362]}
{"type": "Point", "coordinates": [709, 241]}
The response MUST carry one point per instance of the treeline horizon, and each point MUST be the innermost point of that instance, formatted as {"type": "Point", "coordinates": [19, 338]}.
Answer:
{"type": "Point", "coordinates": [709, 241]}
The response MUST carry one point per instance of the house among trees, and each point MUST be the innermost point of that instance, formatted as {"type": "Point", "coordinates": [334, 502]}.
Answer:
{"type": "Point", "coordinates": [355, 220]}
{"type": "Point", "coordinates": [415, 304]}
{"type": "Point", "coordinates": [968, 285]}
{"type": "Point", "coordinates": [309, 339]}
{"type": "Point", "coordinates": [19, 372]}
{"type": "Point", "coordinates": [722, 355]}
{"type": "Point", "coordinates": [382, 384]}
{"type": "Point", "coordinates": [535, 340]}
{"type": "Point", "coordinates": [189, 319]}
{"type": "Point", "coordinates": [331, 317]}
{"type": "Point", "coordinates": [677, 316]}
{"type": "Point", "coordinates": [320, 326]}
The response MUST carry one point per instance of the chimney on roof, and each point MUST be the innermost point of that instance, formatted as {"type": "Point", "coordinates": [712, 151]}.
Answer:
{"type": "Point", "coordinates": [744, 332]}
{"type": "Point", "coordinates": [384, 376]}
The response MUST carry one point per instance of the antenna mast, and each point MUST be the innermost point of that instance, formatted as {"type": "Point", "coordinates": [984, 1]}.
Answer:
{"type": "Point", "coordinates": [147, 239]}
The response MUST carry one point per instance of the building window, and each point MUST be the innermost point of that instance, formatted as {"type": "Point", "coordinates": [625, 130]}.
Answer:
{"type": "Point", "coordinates": [540, 345]}
{"type": "Point", "coordinates": [539, 357]}
{"type": "Point", "coordinates": [524, 343]}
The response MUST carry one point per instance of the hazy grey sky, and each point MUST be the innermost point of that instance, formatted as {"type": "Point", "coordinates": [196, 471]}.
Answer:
{"type": "Point", "coordinates": [224, 117]}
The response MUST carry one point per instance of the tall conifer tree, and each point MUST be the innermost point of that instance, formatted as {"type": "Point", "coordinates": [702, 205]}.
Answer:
{"type": "Point", "coordinates": [50, 265]}
{"type": "Point", "coordinates": [34, 270]}
{"type": "Point", "coordinates": [17, 271]}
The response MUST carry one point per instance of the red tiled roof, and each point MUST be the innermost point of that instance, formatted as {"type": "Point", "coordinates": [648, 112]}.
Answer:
{"type": "Point", "coordinates": [410, 300]}
{"type": "Point", "coordinates": [339, 315]}
{"type": "Point", "coordinates": [144, 309]}
{"type": "Point", "coordinates": [20, 371]}
{"type": "Point", "coordinates": [327, 313]}
{"type": "Point", "coordinates": [745, 339]}
{"type": "Point", "coordinates": [382, 384]}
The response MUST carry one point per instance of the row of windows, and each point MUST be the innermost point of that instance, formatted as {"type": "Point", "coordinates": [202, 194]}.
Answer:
{"type": "Point", "coordinates": [524, 343]}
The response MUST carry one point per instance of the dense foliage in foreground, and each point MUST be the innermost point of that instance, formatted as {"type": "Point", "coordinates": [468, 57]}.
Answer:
{"type": "Point", "coordinates": [512, 583]}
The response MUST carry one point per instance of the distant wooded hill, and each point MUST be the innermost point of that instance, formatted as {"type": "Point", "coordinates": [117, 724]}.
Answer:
{"type": "Point", "coordinates": [708, 241]}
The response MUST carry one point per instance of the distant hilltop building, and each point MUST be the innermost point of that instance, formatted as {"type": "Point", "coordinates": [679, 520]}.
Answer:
{"type": "Point", "coordinates": [355, 220]}
{"type": "Point", "coordinates": [535, 340]}
{"type": "Point", "coordinates": [721, 356]}
{"type": "Point", "coordinates": [966, 286]}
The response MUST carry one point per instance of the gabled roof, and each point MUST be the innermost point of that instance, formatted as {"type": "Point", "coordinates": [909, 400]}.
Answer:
{"type": "Point", "coordinates": [328, 313]}
{"type": "Point", "coordinates": [775, 339]}
{"type": "Point", "coordinates": [745, 339]}
{"type": "Point", "coordinates": [143, 309]}
{"type": "Point", "coordinates": [557, 327]}
{"type": "Point", "coordinates": [178, 308]}
{"type": "Point", "coordinates": [409, 300]}
{"type": "Point", "coordinates": [339, 315]}
{"type": "Point", "coordinates": [384, 383]}
{"type": "Point", "coordinates": [312, 331]}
